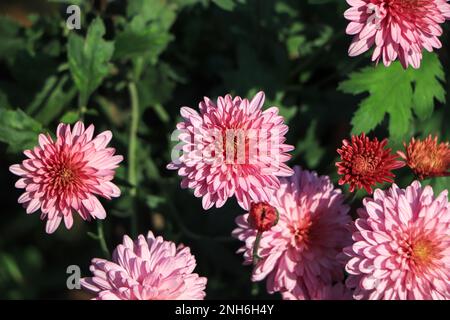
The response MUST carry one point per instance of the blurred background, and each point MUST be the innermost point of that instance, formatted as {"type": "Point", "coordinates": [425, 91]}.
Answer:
{"type": "Point", "coordinates": [138, 63]}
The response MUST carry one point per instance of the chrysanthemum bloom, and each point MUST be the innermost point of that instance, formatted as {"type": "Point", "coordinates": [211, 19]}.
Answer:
{"type": "Point", "coordinates": [427, 158]}
{"type": "Point", "coordinates": [298, 254]}
{"type": "Point", "coordinates": [399, 29]}
{"type": "Point", "coordinates": [147, 269]}
{"type": "Point", "coordinates": [232, 148]}
{"type": "Point", "coordinates": [401, 246]}
{"type": "Point", "coordinates": [366, 162]}
{"type": "Point", "coordinates": [63, 176]}
{"type": "Point", "coordinates": [337, 291]}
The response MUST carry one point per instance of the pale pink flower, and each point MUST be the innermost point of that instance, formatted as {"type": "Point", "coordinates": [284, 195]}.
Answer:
{"type": "Point", "coordinates": [337, 291]}
{"type": "Point", "coordinates": [401, 246]}
{"type": "Point", "coordinates": [398, 29]}
{"type": "Point", "coordinates": [63, 176]}
{"type": "Point", "coordinates": [298, 254]}
{"type": "Point", "coordinates": [147, 269]}
{"type": "Point", "coordinates": [232, 148]}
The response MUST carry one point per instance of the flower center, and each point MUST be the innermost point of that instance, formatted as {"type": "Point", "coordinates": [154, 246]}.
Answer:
{"type": "Point", "coordinates": [429, 161]}
{"type": "Point", "coordinates": [420, 252]}
{"type": "Point", "coordinates": [235, 146]}
{"type": "Point", "coordinates": [301, 233]}
{"type": "Point", "coordinates": [407, 5]}
{"type": "Point", "coordinates": [66, 176]}
{"type": "Point", "coordinates": [63, 176]}
{"type": "Point", "coordinates": [424, 251]}
{"type": "Point", "coordinates": [363, 165]}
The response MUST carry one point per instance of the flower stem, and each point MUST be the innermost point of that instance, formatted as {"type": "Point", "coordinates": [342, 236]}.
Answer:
{"type": "Point", "coordinates": [81, 107]}
{"type": "Point", "coordinates": [101, 239]}
{"type": "Point", "coordinates": [132, 152]}
{"type": "Point", "coordinates": [256, 257]}
{"type": "Point", "coordinates": [352, 198]}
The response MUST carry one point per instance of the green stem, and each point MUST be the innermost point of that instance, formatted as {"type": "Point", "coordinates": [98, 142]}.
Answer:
{"type": "Point", "coordinates": [256, 257]}
{"type": "Point", "coordinates": [352, 198]}
{"type": "Point", "coordinates": [101, 239]}
{"type": "Point", "coordinates": [81, 107]}
{"type": "Point", "coordinates": [132, 152]}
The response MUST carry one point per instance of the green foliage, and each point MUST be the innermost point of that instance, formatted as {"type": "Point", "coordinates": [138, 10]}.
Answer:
{"type": "Point", "coordinates": [396, 92]}
{"type": "Point", "coordinates": [18, 130]}
{"type": "Point", "coordinates": [89, 59]}
{"type": "Point", "coordinates": [11, 43]}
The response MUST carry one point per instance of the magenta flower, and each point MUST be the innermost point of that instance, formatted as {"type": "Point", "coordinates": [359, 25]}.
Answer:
{"type": "Point", "coordinates": [232, 148]}
{"type": "Point", "coordinates": [63, 176]}
{"type": "Point", "coordinates": [146, 269]}
{"type": "Point", "coordinates": [298, 254]}
{"type": "Point", "coordinates": [401, 246]}
{"type": "Point", "coordinates": [399, 29]}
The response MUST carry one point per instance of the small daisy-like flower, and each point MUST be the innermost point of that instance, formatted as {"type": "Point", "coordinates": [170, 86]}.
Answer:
{"type": "Point", "coordinates": [398, 29]}
{"type": "Point", "coordinates": [427, 158]}
{"type": "Point", "coordinates": [298, 254]}
{"type": "Point", "coordinates": [401, 246]}
{"type": "Point", "coordinates": [232, 148]}
{"type": "Point", "coordinates": [65, 176]}
{"type": "Point", "coordinates": [146, 269]}
{"type": "Point", "coordinates": [366, 162]}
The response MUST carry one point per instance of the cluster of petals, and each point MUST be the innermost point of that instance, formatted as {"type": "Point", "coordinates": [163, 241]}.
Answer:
{"type": "Point", "coordinates": [427, 158]}
{"type": "Point", "coordinates": [366, 162]}
{"type": "Point", "coordinates": [149, 268]}
{"type": "Point", "coordinates": [298, 255]}
{"type": "Point", "coordinates": [232, 148]}
{"type": "Point", "coordinates": [397, 29]}
{"type": "Point", "coordinates": [401, 246]}
{"type": "Point", "coordinates": [66, 175]}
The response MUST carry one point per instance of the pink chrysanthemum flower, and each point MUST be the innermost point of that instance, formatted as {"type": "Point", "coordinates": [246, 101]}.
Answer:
{"type": "Point", "coordinates": [232, 148]}
{"type": "Point", "coordinates": [337, 291]}
{"type": "Point", "coordinates": [402, 246]}
{"type": "Point", "coordinates": [65, 175]}
{"type": "Point", "coordinates": [397, 28]}
{"type": "Point", "coordinates": [146, 269]}
{"type": "Point", "coordinates": [298, 254]}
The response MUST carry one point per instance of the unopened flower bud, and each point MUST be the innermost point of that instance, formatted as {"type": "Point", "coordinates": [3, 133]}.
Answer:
{"type": "Point", "coordinates": [262, 216]}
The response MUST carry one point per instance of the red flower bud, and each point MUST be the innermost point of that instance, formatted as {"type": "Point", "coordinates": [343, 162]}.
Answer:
{"type": "Point", "coordinates": [262, 216]}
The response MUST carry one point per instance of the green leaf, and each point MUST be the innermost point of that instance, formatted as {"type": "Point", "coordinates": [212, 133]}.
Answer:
{"type": "Point", "coordinates": [396, 92]}
{"type": "Point", "coordinates": [89, 59]}
{"type": "Point", "coordinates": [56, 102]}
{"type": "Point", "coordinates": [42, 94]}
{"type": "Point", "coordinates": [139, 39]}
{"type": "Point", "coordinates": [70, 117]}
{"type": "Point", "coordinates": [310, 148]}
{"type": "Point", "coordinates": [11, 42]}
{"type": "Point", "coordinates": [227, 5]}
{"type": "Point", "coordinates": [147, 32]}
{"type": "Point", "coordinates": [4, 103]}
{"type": "Point", "coordinates": [18, 130]}
{"type": "Point", "coordinates": [428, 86]}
